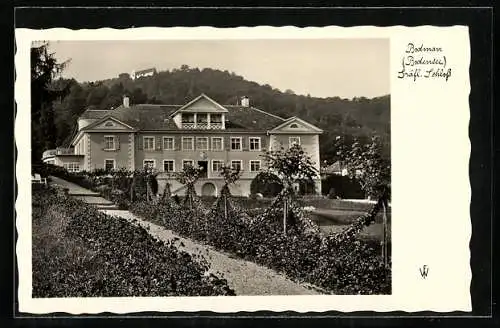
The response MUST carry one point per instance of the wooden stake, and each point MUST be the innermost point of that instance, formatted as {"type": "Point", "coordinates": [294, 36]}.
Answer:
{"type": "Point", "coordinates": [225, 206]}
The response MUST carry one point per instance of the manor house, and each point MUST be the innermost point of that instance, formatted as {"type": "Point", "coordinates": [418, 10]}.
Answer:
{"type": "Point", "coordinates": [167, 137]}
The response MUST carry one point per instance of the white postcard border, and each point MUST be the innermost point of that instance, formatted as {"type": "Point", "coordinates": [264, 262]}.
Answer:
{"type": "Point", "coordinates": [430, 178]}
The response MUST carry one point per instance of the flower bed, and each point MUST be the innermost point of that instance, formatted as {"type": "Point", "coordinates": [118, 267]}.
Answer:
{"type": "Point", "coordinates": [342, 265]}
{"type": "Point", "coordinates": [80, 252]}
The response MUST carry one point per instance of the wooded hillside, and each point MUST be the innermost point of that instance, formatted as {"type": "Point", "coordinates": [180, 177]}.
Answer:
{"type": "Point", "coordinates": [349, 117]}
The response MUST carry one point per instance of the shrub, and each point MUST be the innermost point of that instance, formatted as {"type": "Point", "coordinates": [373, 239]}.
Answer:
{"type": "Point", "coordinates": [349, 266]}
{"type": "Point", "coordinates": [80, 252]}
{"type": "Point", "coordinates": [267, 184]}
{"type": "Point", "coordinates": [343, 186]}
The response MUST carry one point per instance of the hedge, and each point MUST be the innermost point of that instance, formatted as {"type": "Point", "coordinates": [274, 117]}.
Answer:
{"type": "Point", "coordinates": [80, 252]}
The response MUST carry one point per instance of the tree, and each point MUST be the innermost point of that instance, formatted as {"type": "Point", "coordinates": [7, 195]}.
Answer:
{"type": "Point", "coordinates": [97, 96]}
{"type": "Point", "coordinates": [291, 166]}
{"type": "Point", "coordinates": [230, 176]}
{"type": "Point", "coordinates": [188, 177]}
{"type": "Point", "coordinates": [365, 163]}
{"type": "Point", "coordinates": [267, 184]}
{"type": "Point", "coordinates": [44, 68]}
{"type": "Point", "coordinates": [138, 96]}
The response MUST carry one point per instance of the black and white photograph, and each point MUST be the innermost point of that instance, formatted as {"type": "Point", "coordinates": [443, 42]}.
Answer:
{"type": "Point", "coordinates": [240, 170]}
{"type": "Point", "coordinates": [199, 168]}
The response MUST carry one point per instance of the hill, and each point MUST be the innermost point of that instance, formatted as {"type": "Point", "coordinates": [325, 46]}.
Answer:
{"type": "Point", "coordinates": [360, 117]}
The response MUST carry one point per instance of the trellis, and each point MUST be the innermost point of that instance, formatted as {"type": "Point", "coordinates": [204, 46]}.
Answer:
{"type": "Point", "coordinates": [363, 221]}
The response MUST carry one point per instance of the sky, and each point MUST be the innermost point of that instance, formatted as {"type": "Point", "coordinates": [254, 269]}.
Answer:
{"type": "Point", "coordinates": [343, 68]}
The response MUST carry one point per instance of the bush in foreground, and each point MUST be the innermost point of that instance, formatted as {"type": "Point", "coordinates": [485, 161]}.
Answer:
{"type": "Point", "coordinates": [80, 252]}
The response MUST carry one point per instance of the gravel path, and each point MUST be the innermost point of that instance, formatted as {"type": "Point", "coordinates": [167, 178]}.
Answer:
{"type": "Point", "coordinates": [246, 278]}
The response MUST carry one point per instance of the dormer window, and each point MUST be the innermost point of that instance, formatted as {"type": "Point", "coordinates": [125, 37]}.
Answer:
{"type": "Point", "coordinates": [202, 121]}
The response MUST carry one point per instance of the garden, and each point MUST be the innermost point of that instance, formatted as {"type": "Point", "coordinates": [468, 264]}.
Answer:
{"type": "Point", "coordinates": [278, 233]}
{"type": "Point", "coordinates": [78, 251]}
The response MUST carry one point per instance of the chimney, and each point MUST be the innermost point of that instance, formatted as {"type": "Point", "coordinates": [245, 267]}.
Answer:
{"type": "Point", "coordinates": [126, 101]}
{"type": "Point", "coordinates": [245, 101]}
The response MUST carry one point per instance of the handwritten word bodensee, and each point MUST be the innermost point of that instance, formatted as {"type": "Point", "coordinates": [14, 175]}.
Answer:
{"type": "Point", "coordinates": [423, 62]}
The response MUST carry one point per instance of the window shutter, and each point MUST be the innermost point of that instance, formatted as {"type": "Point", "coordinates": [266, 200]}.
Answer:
{"type": "Point", "coordinates": [158, 143]}
{"type": "Point", "coordinates": [140, 143]}
{"type": "Point", "coordinates": [263, 143]}
{"type": "Point", "coordinates": [177, 142]}
{"type": "Point", "coordinates": [103, 144]}
{"type": "Point", "coordinates": [117, 142]}
{"type": "Point", "coordinates": [227, 142]}
{"type": "Point", "coordinates": [245, 143]}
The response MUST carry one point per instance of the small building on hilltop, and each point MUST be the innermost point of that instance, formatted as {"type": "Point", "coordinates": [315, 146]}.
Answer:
{"type": "Point", "coordinates": [202, 132]}
{"type": "Point", "coordinates": [142, 73]}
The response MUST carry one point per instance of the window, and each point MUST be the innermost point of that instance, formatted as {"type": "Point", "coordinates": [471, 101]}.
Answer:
{"type": "Point", "coordinates": [236, 165]}
{"type": "Point", "coordinates": [217, 143]}
{"type": "Point", "coordinates": [187, 143]}
{"type": "Point", "coordinates": [215, 118]}
{"type": "Point", "coordinates": [168, 143]}
{"type": "Point", "coordinates": [294, 126]}
{"type": "Point", "coordinates": [187, 162]}
{"type": "Point", "coordinates": [236, 143]}
{"type": "Point", "coordinates": [109, 123]}
{"type": "Point", "coordinates": [294, 141]}
{"type": "Point", "coordinates": [202, 143]}
{"type": "Point", "coordinates": [149, 164]}
{"type": "Point", "coordinates": [254, 143]}
{"type": "Point", "coordinates": [72, 167]}
{"type": "Point", "coordinates": [149, 143]}
{"type": "Point", "coordinates": [168, 165]}
{"type": "Point", "coordinates": [254, 166]}
{"type": "Point", "coordinates": [187, 118]}
{"type": "Point", "coordinates": [202, 118]}
{"type": "Point", "coordinates": [109, 142]}
{"type": "Point", "coordinates": [109, 164]}
{"type": "Point", "coordinates": [217, 165]}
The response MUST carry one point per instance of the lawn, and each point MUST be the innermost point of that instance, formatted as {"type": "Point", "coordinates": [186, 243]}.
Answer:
{"type": "Point", "coordinates": [335, 220]}
{"type": "Point", "coordinates": [331, 215]}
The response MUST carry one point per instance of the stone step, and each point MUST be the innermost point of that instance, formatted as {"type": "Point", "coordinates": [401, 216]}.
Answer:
{"type": "Point", "coordinates": [94, 200]}
{"type": "Point", "coordinates": [84, 193]}
{"type": "Point", "coordinates": [106, 207]}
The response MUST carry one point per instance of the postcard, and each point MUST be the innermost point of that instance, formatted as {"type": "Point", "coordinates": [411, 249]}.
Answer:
{"type": "Point", "coordinates": [243, 169]}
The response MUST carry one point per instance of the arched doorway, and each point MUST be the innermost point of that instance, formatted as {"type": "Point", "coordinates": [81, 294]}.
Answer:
{"type": "Point", "coordinates": [208, 189]}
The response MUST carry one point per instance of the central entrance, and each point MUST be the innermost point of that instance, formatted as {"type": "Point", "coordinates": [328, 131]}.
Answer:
{"type": "Point", "coordinates": [204, 168]}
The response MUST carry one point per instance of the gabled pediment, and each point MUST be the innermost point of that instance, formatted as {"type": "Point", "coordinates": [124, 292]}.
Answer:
{"type": "Point", "coordinates": [109, 123]}
{"type": "Point", "coordinates": [201, 104]}
{"type": "Point", "coordinates": [296, 125]}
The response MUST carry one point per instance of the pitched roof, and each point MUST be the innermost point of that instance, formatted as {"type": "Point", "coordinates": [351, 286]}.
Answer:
{"type": "Point", "coordinates": [158, 117]}
{"type": "Point", "coordinates": [94, 114]}
{"type": "Point", "coordinates": [147, 70]}
{"type": "Point", "coordinates": [250, 118]}
{"type": "Point", "coordinates": [146, 116]}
